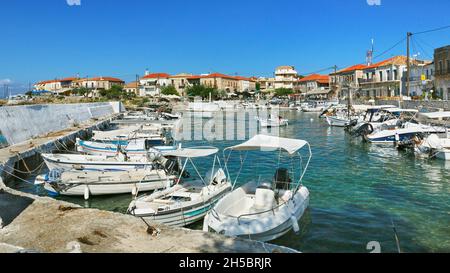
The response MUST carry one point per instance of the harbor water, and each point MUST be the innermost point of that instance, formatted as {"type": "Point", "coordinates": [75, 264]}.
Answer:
{"type": "Point", "coordinates": [360, 193]}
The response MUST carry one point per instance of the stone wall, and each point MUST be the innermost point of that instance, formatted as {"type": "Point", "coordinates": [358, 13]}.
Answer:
{"type": "Point", "coordinates": [21, 123]}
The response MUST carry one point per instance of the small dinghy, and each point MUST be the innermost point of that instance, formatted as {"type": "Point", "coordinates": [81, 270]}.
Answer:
{"type": "Point", "coordinates": [189, 200]}
{"type": "Point", "coordinates": [79, 183]}
{"type": "Point", "coordinates": [120, 162]}
{"type": "Point", "coordinates": [263, 210]}
{"type": "Point", "coordinates": [272, 122]}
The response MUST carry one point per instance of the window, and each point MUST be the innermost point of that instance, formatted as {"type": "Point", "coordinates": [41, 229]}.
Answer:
{"type": "Point", "coordinates": [448, 66]}
{"type": "Point", "coordinates": [440, 68]}
{"type": "Point", "coordinates": [381, 76]}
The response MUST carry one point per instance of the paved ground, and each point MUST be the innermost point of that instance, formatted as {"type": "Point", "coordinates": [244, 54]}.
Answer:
{"type": "Point", "coordinates": [52, 226]}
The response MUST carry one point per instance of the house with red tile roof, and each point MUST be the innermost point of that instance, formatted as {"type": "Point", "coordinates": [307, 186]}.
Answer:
{"type": "Point", "coordinates": [386, 78]}
{"type": "Point", "coordinates": [315, 84]}
{"type": "Point", "coordinates": [346, 78]}
{"type": "Point", "coordinates": [56, 85]}
{"type": "Point", "coordinates": [97, 83]}
{"type": "Point", "coordinates": [152, 83]}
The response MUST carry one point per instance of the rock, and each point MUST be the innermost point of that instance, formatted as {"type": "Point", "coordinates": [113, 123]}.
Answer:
{"type": "Point", "coordinates": [74, 247]}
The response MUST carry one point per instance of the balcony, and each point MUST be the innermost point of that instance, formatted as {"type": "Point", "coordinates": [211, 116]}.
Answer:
{"type": "Point", "coordinates": [363, 81]}
{"type": "Point", "coordinates": [444, 72]}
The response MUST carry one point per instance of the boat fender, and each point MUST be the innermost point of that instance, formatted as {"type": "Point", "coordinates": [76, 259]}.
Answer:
{"type": "Point", "coordinates": [86, 192]}
{"type": "Point", "coordinates": [134, 190]}
{"type": "Point", "coordinates": [295, 225]}
{"type": "Point", "coordinates": [205, 223]}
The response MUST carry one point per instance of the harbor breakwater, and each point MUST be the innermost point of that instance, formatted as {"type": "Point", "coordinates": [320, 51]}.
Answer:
{"type": "Point", "coordinates": [21, 123]}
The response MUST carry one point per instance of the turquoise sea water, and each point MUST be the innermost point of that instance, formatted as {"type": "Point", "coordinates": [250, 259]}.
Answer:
{"type": "Point", "coordinates": [358, 193]}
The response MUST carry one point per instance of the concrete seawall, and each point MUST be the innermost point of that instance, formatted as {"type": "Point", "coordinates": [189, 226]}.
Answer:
{"type": "Point", "coordinates": [21, 123]}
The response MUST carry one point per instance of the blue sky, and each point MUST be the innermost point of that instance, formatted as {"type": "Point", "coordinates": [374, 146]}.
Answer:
{"type": "Point", "coordinates": [46, 39]}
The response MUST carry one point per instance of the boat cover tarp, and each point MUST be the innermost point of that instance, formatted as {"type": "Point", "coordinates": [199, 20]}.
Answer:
{"type": "Point", "coordinates": [264, 142]}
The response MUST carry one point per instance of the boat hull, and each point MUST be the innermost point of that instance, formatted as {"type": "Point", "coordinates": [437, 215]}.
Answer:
{"type": "Point", "coordinates": [263, 227]}
{"type": "Point", "coordinates": [98, 189]}
{"type": "Point", "coordinates": [337, 122]}
{"type": "Point", "coordinates": [188, 215]}
{"type": "Point", "coordinates": [67, 165]}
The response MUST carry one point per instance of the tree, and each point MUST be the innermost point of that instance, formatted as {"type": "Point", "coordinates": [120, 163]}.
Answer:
{"type": "Point", "coordinates": [169, 90]}
{"type": "Point", "coordinates": [81, 91]}
{"type": "Point", "coordinates": [258, 86]}
{"type": "Point", "coordinates": [282, 92]}
{"type": "Point", "coordinates": [115, 92]}
{"type": "Point", "coordinates": [202, 91]}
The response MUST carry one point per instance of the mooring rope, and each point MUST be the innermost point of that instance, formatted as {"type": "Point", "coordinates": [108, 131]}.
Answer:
{"type": "Point", "coordinates": [23, 180]}
{"type": "Point", "coordinates": [37, 170]}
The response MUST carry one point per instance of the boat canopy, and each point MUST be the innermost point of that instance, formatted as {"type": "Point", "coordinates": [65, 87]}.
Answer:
{"type": "Point", "coordinates": [193, 152]}
{"type": "Point", "coordinates": [261, 142]}
{"type": "Point", "coordinates": [436, 115]}
{"type": "Point", "coordinates": [398, 110]}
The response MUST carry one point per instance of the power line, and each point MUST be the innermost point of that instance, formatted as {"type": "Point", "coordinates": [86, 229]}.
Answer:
{"type": "Point", "coordinates": [432, 30]}
{"type": "Point", "coordinates": [391, 48]}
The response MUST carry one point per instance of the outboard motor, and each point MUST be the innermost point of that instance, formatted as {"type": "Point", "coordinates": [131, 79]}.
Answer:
{"type": "Point", "coordinates": [171, 166]}
{"type": "Point", "coordinates": [282, 179]}
{"type": "Point", "coordinates": [363, 130]}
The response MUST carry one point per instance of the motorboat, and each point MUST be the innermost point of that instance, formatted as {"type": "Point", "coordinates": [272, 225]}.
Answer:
{"type": "Point", "coordinates": [402, 131]}
{"type": "Point", "coordinates": [119, 162]}
{"type": "Point", "coordinates": [80, 183]}
{"type": "Point", "coordinates": [190, 199]}
{"type": "Point", "coordinates": [261, 209]}
{"type": "Point", "coordinates": [380, 117]}
{"type": "Point", "coordinates": [272, 122]}
{"type": "Point", "coordinates": [135, 148]}
{"type": "Point", "coordinates": [431, 145]}
{"type": "Point", "coordinates": [128, 133]}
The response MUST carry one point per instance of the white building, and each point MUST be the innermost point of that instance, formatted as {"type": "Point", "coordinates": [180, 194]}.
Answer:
{"type": "Point", "coordinates": [152, 83]}
{"type": "Point", "coordinates": [286, 77]}
{"type": "Point", "coordinates": [421, 78]}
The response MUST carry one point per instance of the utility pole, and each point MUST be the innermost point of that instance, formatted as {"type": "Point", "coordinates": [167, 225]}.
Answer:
{"type": "Point", "coordinates": [335, 81]}
{"type": "Point", "coordinates": [138, 91]}
{"type": "Point", "coordinates": [408, 65]}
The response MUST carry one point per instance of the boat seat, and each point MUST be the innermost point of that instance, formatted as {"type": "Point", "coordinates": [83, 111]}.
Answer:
{"type": "Point", "coordinates": [264, 199]}
{"type": "Point", "coordinates": [161, 201]}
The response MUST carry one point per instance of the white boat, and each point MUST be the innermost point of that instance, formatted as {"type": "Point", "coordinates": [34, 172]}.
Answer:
{"type": "Point", "coordinates": [339, 121]}
{"type": "Point", "coordinates": [128, 133]}
{"type": "Point", "coordinates": [402, 133]}
{"type": "Point", "coordinates": [79, 183]}
{"type": "Point", "coordinates": [96, 163]}
{"type": "Point", "coordinates": [376, 119]}
{"type": "Point", "coordinates": [134, 148]}
{"type": "Point", "coordinates": [188, 201]}
{"type": "Point", "coordinates": [273, 122]}
{"type": "Point", "coordinates": [263, 211]}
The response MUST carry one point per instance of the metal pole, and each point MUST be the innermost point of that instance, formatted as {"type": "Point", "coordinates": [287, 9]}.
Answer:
{"type": "Point", "coordinates": [408, 87]}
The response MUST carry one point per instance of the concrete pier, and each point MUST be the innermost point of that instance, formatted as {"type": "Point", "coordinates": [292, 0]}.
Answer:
{"type": "Point", "coordinates": [51, 226]}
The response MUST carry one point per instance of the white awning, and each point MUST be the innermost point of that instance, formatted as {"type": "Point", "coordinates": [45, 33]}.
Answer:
{"type": "Point", "coordinates": [192, 152]}
{"type": "Point", "coordinates": [270, 143]}
{"type": "Point", "coordinates": [396, 110]}
{"type": "Point", "coordinates": [436, 115]}
{"type": "Point", "coordinates": [381, 107]}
